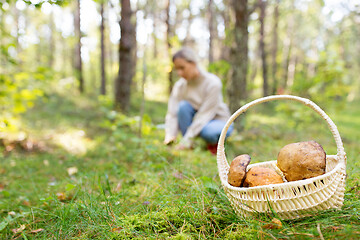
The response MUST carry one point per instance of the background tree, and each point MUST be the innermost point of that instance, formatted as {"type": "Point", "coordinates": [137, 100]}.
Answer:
{"type": "Point", "coordinates": [211, 30]}
{"type": "Point", "coordinates": [126, 58]}
{"type": "Point", "coordinates": [78, 60]}
{"type": "Point", "coordinates": [237, 87]}
{"type": "Point", "coordinates": [274, 49]}
{"type": "Point", "coordinates": [168, 43]}
{"type": "Point", "coordinates": [102, 49]}
{"type": "Point", "coordinates": [262, 7]}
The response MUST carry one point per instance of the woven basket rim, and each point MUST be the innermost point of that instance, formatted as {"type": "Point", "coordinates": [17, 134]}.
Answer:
{"type": "Point", "coordinates": [292, 199]}
{"type": "Point", "coordinates": [223, 165]}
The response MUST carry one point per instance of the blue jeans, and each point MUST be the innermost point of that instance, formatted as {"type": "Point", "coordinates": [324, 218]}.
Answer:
{"type": "Point", "coordinates": [210, 132]}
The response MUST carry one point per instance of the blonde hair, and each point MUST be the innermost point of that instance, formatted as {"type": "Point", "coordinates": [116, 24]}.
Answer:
{"type": "Point", "coordinates": [187, 54]}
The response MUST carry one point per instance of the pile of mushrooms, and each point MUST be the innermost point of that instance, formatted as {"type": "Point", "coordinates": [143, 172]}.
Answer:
{"type": "Point", "coordinates": [297, 161]}
{"type": "Point", "coordinates": [256, 176]}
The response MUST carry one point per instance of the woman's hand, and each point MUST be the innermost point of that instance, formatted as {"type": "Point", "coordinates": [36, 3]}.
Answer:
{"type": "Point", "coordinates": [181, 147]}
{"type": "Point", "coordinates": [184, 144]}
{"type": "Point", "coordinates": [169, 140]}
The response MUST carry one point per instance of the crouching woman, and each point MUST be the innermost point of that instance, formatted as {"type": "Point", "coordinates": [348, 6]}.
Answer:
{"type": "Point", "coordinates": [196, 105]}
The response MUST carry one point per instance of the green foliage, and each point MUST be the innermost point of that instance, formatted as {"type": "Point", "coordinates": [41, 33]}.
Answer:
{"type": "Point", "coordinates": [117, 121]}
{"type": "Point", "coordinates": [220, 68]}
{"type": "Point", "coordinates": [297, 115]}
{"type": "Point", "coordinates": [327, 85]}
{"type": "Point", "coordinates": [40, 3]}
{"type": "Point", "coordinates": [18, 92]}
{"type": "Point", "coordinates": [20, 84]}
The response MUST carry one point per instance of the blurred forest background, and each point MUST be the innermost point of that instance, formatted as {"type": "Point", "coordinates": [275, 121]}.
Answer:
{"type": "Point", "coordinates": [83, 92]}
{"type": "Point", "coordinates": [121, 50]}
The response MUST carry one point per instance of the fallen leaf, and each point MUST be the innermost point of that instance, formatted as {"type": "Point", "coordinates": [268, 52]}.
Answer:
{"type": "Point", "coordinates": [178, 175]}
{"type": "Point", "coordinates": [118, 187]}
{"type": "Point", "coordinates": [275, 224]}
{"type": "Point", "coordinates": [26, 203]}
{"type": "Point", "coordinates": [116, 229]}
{"type": "Point", "coordinates": [10, 147]}
{"type": "Point", "coordinates": [336, 228]}
{"type": "Point", "coordinates": [61, 196]}
{"type": "Point", "coordinates": [41, 146]}
{"type": "Point", "coordinates": [208, 209]}
{"type": "Point", "coordinates": [12, 213]}
{"type": "Point", "coordinates": [37, 230]}
{"type": "Point", "coordinates": [72, 170]}
{"type": "Point", "coordinates": [27, 145]}
{"type": "Point", "coordinates": [17, 230]}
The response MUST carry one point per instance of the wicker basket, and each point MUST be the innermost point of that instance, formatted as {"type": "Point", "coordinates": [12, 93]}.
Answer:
{"type": "Point", "coordinates": [289, 200]}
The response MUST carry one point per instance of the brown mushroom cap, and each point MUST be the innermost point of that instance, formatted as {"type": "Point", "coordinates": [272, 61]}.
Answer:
{"type": "Point", "coordinates": [302, 160]}
{"type": "Point", "coordinates": [259, 176]}
{"type": "Point", "coordinates": [237, 170]}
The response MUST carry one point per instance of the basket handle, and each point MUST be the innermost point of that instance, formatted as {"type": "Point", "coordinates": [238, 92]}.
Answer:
{"type": "Point", "coordinates": [223, 165]}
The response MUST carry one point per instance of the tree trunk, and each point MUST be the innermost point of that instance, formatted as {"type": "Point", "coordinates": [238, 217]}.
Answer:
{"type": "Point", "coordinates": [168, 41]}
{"type": "Point", "coordinates": [311, 66]}
{"type": "Point", "coordinates": [52, 40]}
{"type": "Point", "coordinates": [225, 48]}
{"type": "Point", "coordinates": [64, 58]}
{"type": "Point", "coordinates": [291, 71]}
{"type": "Point", "coordinates": [286, 60]}
{"type": "Point", "coordinates": [211, 31]}
{"type": "Point", "coordinates": [155, 49]}
{"type": "Point", "coordinates": [126, 59]}
{"type": "Point", "coordinates": [189, 40]}
{"type": "Point", "coordinates": [239, 56]}
{"type": "Point", "coordinates": [287, 49]}
{"type": "Point", "coordinates": [275, 47]}
{"type": "Point", "coordinates": [142, 106]}
{"type": "Point", "coordinates": [78, 61]}
{"type": "Point", "coordinates": [39, 48]}
{"type": "Point", "coordinates": [102, 46]}
{"type": "Point", "coordinates": [3, 56]}
{"type": "Point", "coordinates": [262, 5]}
{"type": "Point", "coordinates": [17, 16]}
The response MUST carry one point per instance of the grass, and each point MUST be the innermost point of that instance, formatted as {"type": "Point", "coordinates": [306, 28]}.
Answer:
{"type": "Point", "coordinates": [98, 180]}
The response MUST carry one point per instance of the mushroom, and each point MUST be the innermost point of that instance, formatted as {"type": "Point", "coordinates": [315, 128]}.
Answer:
{"type": "Point", "coordinates": [237, 170]}
{"type": "Point", "coordinates": [302, 160]}
{"type": "Point", "coordinates": [259, 176]}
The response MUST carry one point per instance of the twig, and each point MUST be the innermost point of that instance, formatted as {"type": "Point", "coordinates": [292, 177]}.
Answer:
{"type": "Point", "coordinates": [354, 187]}
{"type": "Point", "coordinates": [218, 232]}
{"type": "Point", "coordinates": [319, 231]}
{"type": "Point", "coordinates": [269, 234]}
{"type": "Point", "coordinates": [305, 234]}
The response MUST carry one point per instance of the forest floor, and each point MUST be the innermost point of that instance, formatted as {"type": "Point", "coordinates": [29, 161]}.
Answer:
{"type": "Point", "coordinates": [79, 170]}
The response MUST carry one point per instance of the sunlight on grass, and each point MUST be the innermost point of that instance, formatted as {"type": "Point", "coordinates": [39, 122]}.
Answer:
{"type": "Point", "coordinates": [13, 135]}
{"type": "Point", "coordinates": [74, 141]}
{"type": "Point", "coordinates": [99, 177]}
